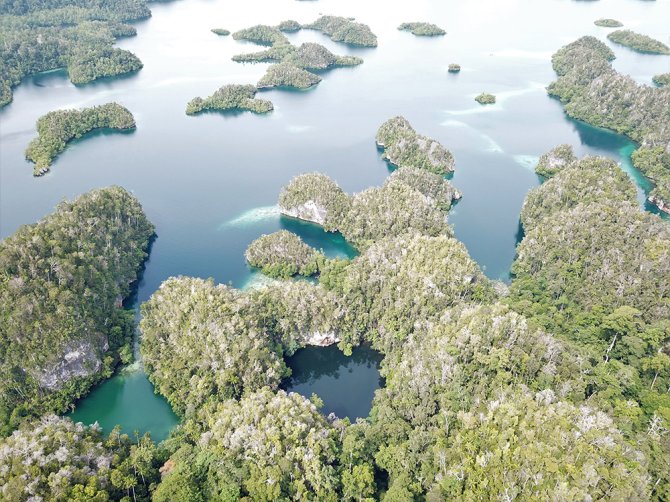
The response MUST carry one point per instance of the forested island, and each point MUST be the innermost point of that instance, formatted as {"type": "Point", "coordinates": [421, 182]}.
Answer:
{"type": "Point", "coordinates": [638, 42]}
{"type": "Point", "coordinates": [77, 35]}
{"type": "Point", "coordinates": [403, 146]}
{"type": "Point", "coordinates": [454, 68]}
{"type": "Point", "coordinates": [592, 91]}
{"type": "Point", "coordinates": [56, 129]}
{"type": "Point", "coordinates": [283, 254]}
{"type": "Point", "coordinates": [608, 23]}
{"type": "Point", "coordinates": [661, 79]}
{"type": "Point", "coordinates": [229, 98]}
{"type": "Point", "coordinates": [485, 99]}
{"type": "Point", "coordinates": [62, 283]}
{"type": "Point", "coordinates": [342, 29]}
{"type": "Point", "coordinates": [422, 29]}
{"type": "Point", "coordinates": [221, 32]}
{"type": "Point", "coordinates": [294, 66]}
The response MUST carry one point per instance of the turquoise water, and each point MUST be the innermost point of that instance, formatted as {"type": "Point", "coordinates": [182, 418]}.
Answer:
{"type": "Point", "coordinates": [210, 183]}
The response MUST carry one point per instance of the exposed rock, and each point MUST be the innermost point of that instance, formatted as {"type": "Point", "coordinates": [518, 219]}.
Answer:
{"type": "Point", "coordinates": [322, 339]}
{"type": "Point", "coordinates": [79, 361]}
{"type": "Point", "coordinates": [555, 160]}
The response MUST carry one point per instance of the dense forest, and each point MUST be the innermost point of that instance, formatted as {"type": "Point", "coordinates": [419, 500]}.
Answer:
{"type": "Point", "coordinates": [62, 283]}
{"type": "Point", "coordinates": [78, 35]}
{"type": "Point", "coordinates": [56, 129]}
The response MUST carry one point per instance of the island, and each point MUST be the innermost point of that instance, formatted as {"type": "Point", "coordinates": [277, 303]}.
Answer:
{"type": "Point", "coordinates": [342, 29]}
{"type": "Point", "coordinates": [288, 75]}
{"type": "Point", "coordinates": [422, 29]}
{"type": "Point", "coordinates": [608, 23]}
{"type": "Point", "coordinates": [661, 79]}
{"type": "Point", "coordinates": [289, 26]}
{"type": "Point", "coordinates": [638, 42]}
{"type": "Point", "coordinates": [283, 254]}
{"type": "Point", "coordinates": [221, 32]}
{"type": "Point", "coordinates": [454, 68]}
{"type": "Point", "coordinates": [592, 91]}
{"type": "Point", "coordinates": [63, 282]}
{"type": "Point", "coordinates": [403, 146]}
{"type": "Point", "coordinates": [56, 129]}
{"type": "Point", "coordinates": [262, 34]}
{"type": "Point", "coordinates": [39, 37]}
{"type": "Point", "coordinates": [485, 99]}
{"type": "Point", "coordinates": [230, 97]}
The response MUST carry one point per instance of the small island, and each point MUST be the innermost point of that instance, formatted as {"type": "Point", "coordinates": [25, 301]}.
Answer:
{"type": "Point", "coordinates": [422, 29]}
{"type": "Point", "coordinates": [283, 254]}
{"type": "Point", "coordinates": [56, 129]}
{"type": "Point", "coordinates": [608, 23]}
{"type": "Point", "coordinates": [342, 29]}
{"type": "Point", "coordinates": [485, 99]}
{"type": "Point", "coordinates": [288, 75]}
{"type": "Point", "coordinates": [261, 34]}
{"type": "Point", "coordinates": [403, 146]}
{"type": "Point", "coordinates": [454, 68]}
{"type": "Point", "coordinates": [220, 32]}
{"type": "Point", "coordinates": [229, 98]}
{"type": "Point", "coordinates": [638, 42]}
{"type": "Point", "coordinates": [662, 79]}
{"type": "Point", "coordinates": [311, 56]}
{"type": "Point", "coordinates": [289, 26]}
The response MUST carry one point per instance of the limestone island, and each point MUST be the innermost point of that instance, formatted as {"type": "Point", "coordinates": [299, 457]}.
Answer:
{"type": "Point", "coordinates": [411, 199]}
{"type": "Point", "coordinates": [454, 68]}
{"type": "Point", "coordinates": [608, 23]}
{"type": "Point", "coordinates": [228, 98]}
{"type": "Point", "coordinates": [262, 34]}
{"type": "Point", "coordinates": [289, 26]}
{"type": "Point", "coordinates": [485, 99]}
{"type": "Point", "coordinates": [592, 91]}
{"type": "Point", "coordinates": [220, 32]}
{"type": "Point", "coordinates": [56, 129]}
{"type": "Point", "coordinates": [662, 79]}
{"type": "Point", "coordinates": [342, 29]}
{"type": "Point", "coordinates": [403, 146]}
{"type": "Point", "coordinates": [555, 160]}
{"type": "Point", "coordinates": [638, 42]}
{"type": "Point", "coordinates": [288, 75]}
{"type": "Point", "coordinates": [422, 29]}
{"type": "Point", "coordinates": [283, 254]}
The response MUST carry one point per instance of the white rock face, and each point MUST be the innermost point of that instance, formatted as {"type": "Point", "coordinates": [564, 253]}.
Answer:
{"type": "Point", "coordinates": [322, 339]}
{"type": "Point", "coordinates": [309, 211]}
{"type": "Point", "coordinates": [78, 361]}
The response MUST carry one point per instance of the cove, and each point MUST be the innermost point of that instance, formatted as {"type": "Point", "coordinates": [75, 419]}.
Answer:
{"type": "Point", "coordinates": [345, 384]}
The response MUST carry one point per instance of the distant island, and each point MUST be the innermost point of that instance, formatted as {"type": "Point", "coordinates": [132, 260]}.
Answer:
{"type": "Point", "coordinates": [342, 29]}
{"type": "Point", "coordinates": [56, 129]}
{"type": "Point", "coordinates": [288, 75]}
{"type": "Point", "coordinates": [608, 23]}
{"type": "Point", "coordinates": [638, 42]}
{"type": "Point", "coordinates": [422, 29]}
{"type": "Point", "coordinates": [454, 68]}
{"type": "Point", "coordinates": [230, 97]}
{"type": "Point", "coordinates": [403, 146]}
{"type": "Point", "coordinates": [289, 26]}
{"type": "Point", "coordinates": [77, 35]}
{"type": "Point", "coordinates": [221, 32]}
{"type": "Point", "coordinates": [485, 99]}
{"type": "Point", "coordinates": [592, 91]}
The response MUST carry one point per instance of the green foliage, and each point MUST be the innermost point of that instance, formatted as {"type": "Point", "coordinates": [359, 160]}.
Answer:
{"type": "Point", "coordinates": [289, 26]}
{"type": "Point", "coordinates": [431, 185]}
{"type": "Point", "coordinates": [56, 129]}
{"type": "Point", "coordinates": [485, 99]}
{"type": "Point", "coordinates": [283, 254]}
{"type": "Point", "coordinates": [590, 180]}
{"type": "Point", "coordinates": [76, 34]}
{"type": "Point", "coordinates": [221, 32]}
{"type": "Point", "coordinates": [608, 23]}
{"type": "Point", "coordinates": [404, 147]}
{"type": "Point", "coordinates": [422, 29]}
{"type": "Point", "coordinates": [342, 29]}
{"type": "Point", "coordinates": [311, 56]}
{"type": "Point", "coordinates": [638, 42]}
{"type": "Point", "coordinates": [61, 285]}
{"type": "Point", "coordinates": [262, 35]}
{"type": "Point", "coordinates": [230, 97]}
{"type": "Point", "coordinates": [201, 343]}
{"type": "Point", "coordinates": [56, 459]}
{"type": "Point", "coordinates": [661, 79]}
{"type": "Point", "coordinates": [288, 75]}
{"type": "Point", "coordinates": [594, 92]}
{"type": "Point", "coordinates": [554, 160]}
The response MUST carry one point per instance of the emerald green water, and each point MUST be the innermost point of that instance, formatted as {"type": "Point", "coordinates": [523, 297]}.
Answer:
{"type": "Point", "coordinates": [210, 183]}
